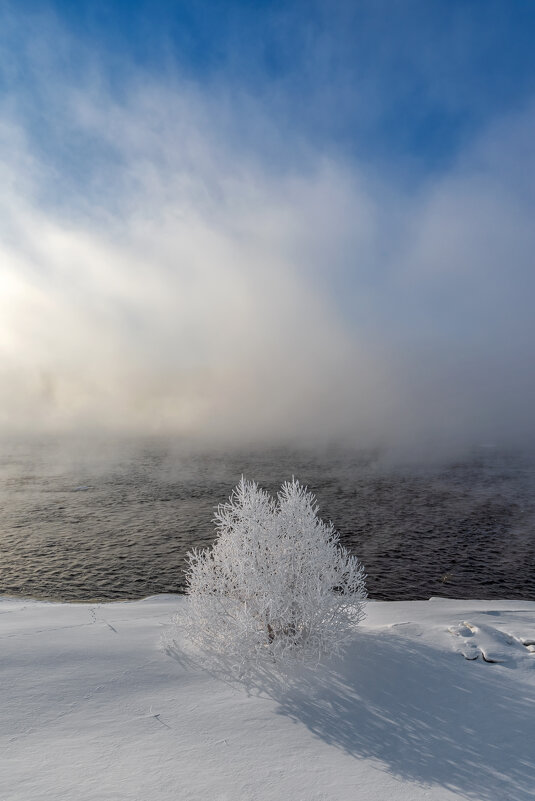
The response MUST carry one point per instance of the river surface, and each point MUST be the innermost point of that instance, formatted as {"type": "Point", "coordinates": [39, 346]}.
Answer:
{"type": "Point", "coordinates": [98, 521]}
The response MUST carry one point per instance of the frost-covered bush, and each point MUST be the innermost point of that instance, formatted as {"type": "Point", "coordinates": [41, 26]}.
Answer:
{"type": "Point", "coordinates": [276, 580]}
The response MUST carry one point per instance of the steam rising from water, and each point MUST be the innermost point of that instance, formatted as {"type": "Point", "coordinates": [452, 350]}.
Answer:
{"type": "Point", "coordinates": [189, 272]}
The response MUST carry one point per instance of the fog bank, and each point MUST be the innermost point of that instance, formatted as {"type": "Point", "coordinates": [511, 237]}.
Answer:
{"type": "Point", "coordinates": [179, 277]}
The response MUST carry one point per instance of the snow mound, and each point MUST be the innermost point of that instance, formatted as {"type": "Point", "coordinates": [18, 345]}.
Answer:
{"type": "Point", "coordinates": [493, 645]}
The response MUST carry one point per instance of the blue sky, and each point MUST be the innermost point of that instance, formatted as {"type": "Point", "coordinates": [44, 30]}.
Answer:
{"type": "Point", "coordinates": [215, 212]}
{"type": "Point", "coordinates": [384, 79]}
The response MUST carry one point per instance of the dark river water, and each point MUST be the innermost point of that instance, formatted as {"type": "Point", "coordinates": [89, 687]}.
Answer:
{"type": "Point", "coordinates": [98, 521]}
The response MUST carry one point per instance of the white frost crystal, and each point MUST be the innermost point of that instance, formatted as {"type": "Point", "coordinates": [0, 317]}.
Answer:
{"type": "Point", "coordinates": [276, 580]}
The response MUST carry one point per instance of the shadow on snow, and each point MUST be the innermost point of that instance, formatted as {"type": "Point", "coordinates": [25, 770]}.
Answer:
{"type": "Point", "coordinates": [421, 714]}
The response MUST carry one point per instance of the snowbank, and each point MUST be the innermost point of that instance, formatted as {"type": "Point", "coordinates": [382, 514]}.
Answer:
{"type": "Point", "coordinates": [434, 700]}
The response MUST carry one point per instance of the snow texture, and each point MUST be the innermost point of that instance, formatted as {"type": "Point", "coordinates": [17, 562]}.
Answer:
{"type": "Point", "coordinates": [276, 584]}
{"type": "Point", "coordinates": [93, 707]}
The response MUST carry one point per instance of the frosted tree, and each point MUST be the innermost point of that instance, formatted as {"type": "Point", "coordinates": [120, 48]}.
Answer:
{"type": "Point", "coordinates": [276, 581]}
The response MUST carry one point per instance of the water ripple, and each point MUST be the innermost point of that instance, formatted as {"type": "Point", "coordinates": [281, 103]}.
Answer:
{"type": "Point", "coordinates": [120, 528]}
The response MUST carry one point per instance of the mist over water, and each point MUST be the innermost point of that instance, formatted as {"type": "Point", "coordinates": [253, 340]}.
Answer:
{"type": "Point", "coordinates": [103, 520]}
{"type": "Point", "coordinates": [240, 280]}
{"type": "Point", "coordinates": [229, 268]}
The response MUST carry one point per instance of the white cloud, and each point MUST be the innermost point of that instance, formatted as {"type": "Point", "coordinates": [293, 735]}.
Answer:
{"type": "Point", "coordinates": [192, 309]}
{"type": "Point", "coordinates": [188, 283]}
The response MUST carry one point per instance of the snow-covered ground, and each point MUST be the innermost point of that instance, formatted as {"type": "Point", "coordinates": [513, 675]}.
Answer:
{"type": "Point", "coordinates": [93, 706]}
